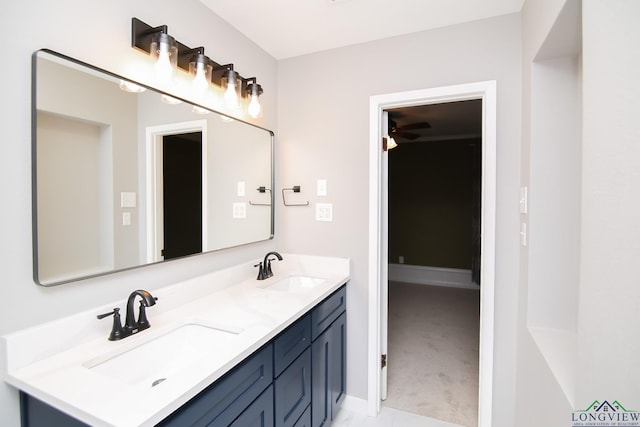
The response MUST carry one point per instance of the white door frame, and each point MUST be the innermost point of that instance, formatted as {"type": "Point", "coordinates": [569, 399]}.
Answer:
{"type": "Point", "coordinates": [378, 240]}
{"type": "Point", "coordinates": [155, 220]}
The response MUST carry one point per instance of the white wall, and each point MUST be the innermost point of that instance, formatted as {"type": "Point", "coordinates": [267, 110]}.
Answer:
{"type": "Point", "coordinates": [610, 239]}
{"type": "Point", "coordinates": [604, 307]}
{"type": "Point", "coordinates": [98, 33]}
{"type": "Point", "coordinates": [323, 113]}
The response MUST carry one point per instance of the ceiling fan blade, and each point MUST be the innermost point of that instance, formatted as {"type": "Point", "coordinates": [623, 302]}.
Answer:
{"type": "Point", "coordinates": [402, 134]}
{"type": "Point", "coordinates": [413, 126]}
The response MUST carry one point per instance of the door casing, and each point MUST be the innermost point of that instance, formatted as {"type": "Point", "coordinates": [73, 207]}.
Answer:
{"type": "Point", "coordinates": [378, 241]}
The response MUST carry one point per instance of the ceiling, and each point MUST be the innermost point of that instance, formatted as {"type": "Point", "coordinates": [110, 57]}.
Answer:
{"type": "Point", "coordinates": [288, 28]}
{"type": "Point", "coordinates": [448, 121]}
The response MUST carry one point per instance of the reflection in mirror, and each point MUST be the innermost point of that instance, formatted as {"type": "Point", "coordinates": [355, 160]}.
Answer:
{"type": "Point", "coordinates": [124, 178]}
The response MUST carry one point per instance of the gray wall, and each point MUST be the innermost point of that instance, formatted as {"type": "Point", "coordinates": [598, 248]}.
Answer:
{"type": "Point", "coordinates": [323, 124]}
{"type": "Point", "coordinates": [97, 33]}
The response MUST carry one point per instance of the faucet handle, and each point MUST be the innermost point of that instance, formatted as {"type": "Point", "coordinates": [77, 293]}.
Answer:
{"type": "Point", "coordinates": [116, 330]}
{"type": "Point", "coordinates": [143, 322]}
{"type": "Point", "coordinates": [261, 271]}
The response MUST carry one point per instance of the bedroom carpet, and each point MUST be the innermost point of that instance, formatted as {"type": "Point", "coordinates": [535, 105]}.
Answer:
{"type": "Point", "coordinates": [433, 352]}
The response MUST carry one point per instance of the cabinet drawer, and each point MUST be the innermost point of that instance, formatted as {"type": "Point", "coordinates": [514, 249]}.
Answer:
{"type": "Point", "coordinates": [259, 413]}
{"type": "Point", "coordinates": [327, 311]}
{"type": "Point", "coordinates": [227, 398]}
{"type": "Point", "coordinates": [293, 391]}
{"type": "Point", "coordinates": [291, 343]}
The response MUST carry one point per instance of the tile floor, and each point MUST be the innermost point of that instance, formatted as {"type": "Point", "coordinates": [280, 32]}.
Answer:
{"type": "Point", "coordinates": [388, 417]}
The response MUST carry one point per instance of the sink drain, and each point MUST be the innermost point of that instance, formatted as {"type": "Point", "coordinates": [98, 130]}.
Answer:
{"type": "Point", "coordinates": [158, 381]}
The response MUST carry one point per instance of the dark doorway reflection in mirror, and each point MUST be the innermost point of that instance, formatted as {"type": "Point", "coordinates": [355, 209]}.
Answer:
{"type": "Point", "coordinates": [182, 194]}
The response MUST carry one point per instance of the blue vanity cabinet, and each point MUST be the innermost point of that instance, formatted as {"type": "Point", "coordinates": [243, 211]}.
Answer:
{"type": "Point", "coordinates": [295, 380]}
{"type": "Point", "coordinates": [329, 358]}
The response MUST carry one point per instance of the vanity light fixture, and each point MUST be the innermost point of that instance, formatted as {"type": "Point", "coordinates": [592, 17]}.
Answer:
{"type": "Point", "coordinates": [159, 44]}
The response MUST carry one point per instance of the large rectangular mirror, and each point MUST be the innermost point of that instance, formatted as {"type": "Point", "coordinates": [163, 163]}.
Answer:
{"type": "Point", "coordinates": [124, 179]}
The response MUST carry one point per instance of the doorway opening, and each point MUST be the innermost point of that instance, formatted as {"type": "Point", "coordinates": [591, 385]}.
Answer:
{"type": "Point", "coordinates": [434, 260]}
{"type": "Point", "coordinates": [378, 233]}
{"type": "Point", "coordinates": [182, 194]}
{"type": "Point", "coordinates": [176, 157]}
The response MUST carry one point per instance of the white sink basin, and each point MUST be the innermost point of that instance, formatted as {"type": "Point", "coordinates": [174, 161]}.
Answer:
{"type": "Point", "coordinates": [295, 284]}
{"type": "Point", "coordinates": [151, 363]}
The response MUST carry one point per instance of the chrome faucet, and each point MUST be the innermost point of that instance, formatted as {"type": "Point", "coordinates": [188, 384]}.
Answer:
{"type": "Point", "coordinates": [131, 326]}
{"type": "Point", "coordinates": [264, 270]}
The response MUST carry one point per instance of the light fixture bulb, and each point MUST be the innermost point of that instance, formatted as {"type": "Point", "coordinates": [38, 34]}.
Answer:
{"type": "Point", "coordinates": [391, 143]}
{"type": "Point", "coordinates": [200, 68]}
{"type": "Point", "coordinates": [231, 91]}
{"type": "Point", "coordinates": [165, 52]}
{"type": "Point", "coordinates": [254, 109]}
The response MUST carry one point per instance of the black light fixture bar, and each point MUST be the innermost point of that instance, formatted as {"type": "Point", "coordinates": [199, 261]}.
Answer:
{"type": "Point", "coordinates": [142, 34]}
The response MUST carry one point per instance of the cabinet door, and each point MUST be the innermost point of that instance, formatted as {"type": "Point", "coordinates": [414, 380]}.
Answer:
{"type": "Point", "coordinates": [328, 373]}
{"type": "Point", "coordinates": [293, 391]}
{"type": "Point", "coordinates": [259, 413]}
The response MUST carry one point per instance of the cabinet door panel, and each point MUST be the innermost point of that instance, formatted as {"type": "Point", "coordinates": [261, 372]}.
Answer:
{"type": "Point", "coordinates": [328, 373]}
{"type": "Point", "coordinates": [320, 394]}
{"type": "Point", "coordinates": [259, 413]}
{"type": "Point", "coordinates": [291, 343]}
{"type": "Point", "coordinates": [293, 391]}
{"type": "Point", "coordinates": [338, 363]}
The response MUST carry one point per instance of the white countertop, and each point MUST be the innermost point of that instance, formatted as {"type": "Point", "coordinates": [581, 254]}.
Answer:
{"type": "Point", "coordinates": [52, 361]}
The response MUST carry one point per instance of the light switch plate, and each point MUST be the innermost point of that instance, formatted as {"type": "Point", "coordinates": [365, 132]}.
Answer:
{"type": "Point", "coordinates": [127, 199]}
{"type": "Point", "coordinates": [241, 189]}
{"type": "Point", "coordinates": [523, 234]}
{"type": "Point", "coordinates": [322, 187]}
{"type": "Point", "coordinates": [324, 212]}
{"type": "Point", "coordinates": [239, 210]}
{"type": "Point", "coordinates": [524, 200]}
{"type": "Point", "coordinates": [126, 218]}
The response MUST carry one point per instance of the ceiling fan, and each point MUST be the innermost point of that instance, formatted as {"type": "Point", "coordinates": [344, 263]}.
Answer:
{"type": "Point", "coordinates": [404, 132]}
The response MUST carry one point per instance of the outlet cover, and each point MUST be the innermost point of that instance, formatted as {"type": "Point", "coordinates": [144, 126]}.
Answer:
{"type": "Point", "coordinates": [239, 210]}
{"type": "Point", "coordinates": [324, 212]}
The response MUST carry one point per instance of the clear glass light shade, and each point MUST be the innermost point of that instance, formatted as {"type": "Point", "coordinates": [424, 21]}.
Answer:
{"type": "Point", "coordinates": [232, 92]}
{"type": "Point", "coordinates": [254, 109]}
{"type": "Point", "coordinates": [201, 72]}
{"type": "Point", "coordinates": [165, 52]}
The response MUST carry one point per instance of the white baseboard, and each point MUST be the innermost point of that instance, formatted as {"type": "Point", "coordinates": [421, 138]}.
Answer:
{"type": "Point", "coordinates": [437, 276]}
{"type": "Point", "coordinates": [355, 404]}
